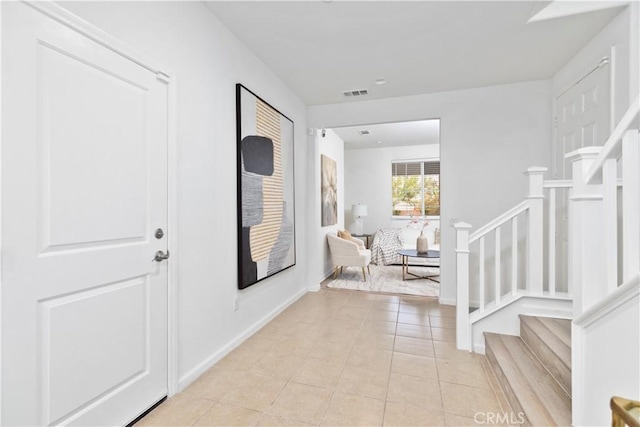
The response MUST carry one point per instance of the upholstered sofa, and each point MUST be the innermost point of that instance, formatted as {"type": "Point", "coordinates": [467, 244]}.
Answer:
{"type": "Point", "coordinates": [387, 241]}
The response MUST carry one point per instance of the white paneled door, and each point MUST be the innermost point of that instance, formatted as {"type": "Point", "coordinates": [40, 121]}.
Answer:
{"type": "Point", "coordinates": [582, 118]}
{"type": "Point", "coordinates": [84, 189]}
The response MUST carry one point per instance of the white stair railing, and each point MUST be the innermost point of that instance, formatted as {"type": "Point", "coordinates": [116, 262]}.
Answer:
{"type": "Point", "coordinates": [531, 210]}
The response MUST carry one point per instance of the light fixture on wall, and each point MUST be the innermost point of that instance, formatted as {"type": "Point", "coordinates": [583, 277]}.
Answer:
{"type": "Point", "coordinates": [358, 211]}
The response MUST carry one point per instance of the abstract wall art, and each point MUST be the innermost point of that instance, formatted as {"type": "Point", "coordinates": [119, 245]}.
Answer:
{"type": "Point", "coordinates": [266, 217]}
{"type": "Point", "coordinates": [329, 190]}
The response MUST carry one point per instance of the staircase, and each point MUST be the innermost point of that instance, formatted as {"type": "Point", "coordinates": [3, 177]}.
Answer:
{"type": "Point", "coordinates": [534, 369]}
{"type": "Point", "coordinates": [571, 249]}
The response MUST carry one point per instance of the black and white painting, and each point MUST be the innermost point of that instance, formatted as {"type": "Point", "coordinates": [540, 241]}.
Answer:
{"type": "Point", "coordinates": [266, 219]}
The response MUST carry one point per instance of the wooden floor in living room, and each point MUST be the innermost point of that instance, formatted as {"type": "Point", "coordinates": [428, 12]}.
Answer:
{"type": "Point", "coordinates": [339, 357]}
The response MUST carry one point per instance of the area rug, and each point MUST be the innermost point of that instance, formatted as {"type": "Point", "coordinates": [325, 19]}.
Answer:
{"type": "Point", "coordinates": [387, 279]}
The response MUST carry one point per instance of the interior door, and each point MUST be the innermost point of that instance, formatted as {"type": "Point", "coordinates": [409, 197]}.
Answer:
{"type": "Point", "coordinates": [582, 120]}
{"type": "Point", "coordinates": [84, 187]}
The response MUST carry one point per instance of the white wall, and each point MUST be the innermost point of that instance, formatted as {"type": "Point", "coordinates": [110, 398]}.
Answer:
{"type": "Point", "coordinates": [368, 180]}
{"type": "Point", "coordinates": [208, 61]}
{"type": "Point", "coordinates": [489, 137]}
{"type": "Point", "coordinates": [330, 145]}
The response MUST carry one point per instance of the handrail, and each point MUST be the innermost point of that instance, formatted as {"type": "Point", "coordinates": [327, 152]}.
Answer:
{"type": "Point", "coordinates": [558, 183]}
{"type": "Point", "coordinates": [620, 412]}
{"type": "Point", "coordinates": [612, 148]}
{"type": "Point", "coordinates": [497, 222]}
{"type": "Point", "coordinates": [609, 303]}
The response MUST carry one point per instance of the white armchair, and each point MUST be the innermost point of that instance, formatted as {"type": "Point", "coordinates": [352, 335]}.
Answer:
{"type": "Point", "coordinates": [348, 253]}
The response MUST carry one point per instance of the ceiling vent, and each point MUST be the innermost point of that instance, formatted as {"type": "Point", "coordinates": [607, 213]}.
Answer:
{"type": "Point", "coordinates": [364, 132]}
{"type": "Point", "coordinates": [356, 92]}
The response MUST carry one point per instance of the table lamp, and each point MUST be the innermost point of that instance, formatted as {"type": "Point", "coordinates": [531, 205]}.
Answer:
{"type": "Point", "coordinates": [358, 211]}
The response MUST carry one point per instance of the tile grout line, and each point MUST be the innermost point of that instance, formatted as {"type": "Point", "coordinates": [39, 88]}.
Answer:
{"type": "Point", "coordinates": [386, 394]}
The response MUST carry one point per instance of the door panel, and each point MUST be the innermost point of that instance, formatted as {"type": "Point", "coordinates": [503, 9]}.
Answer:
{"type": "Point", "coordinates": [84, 186]}
{"type": "Point", "coordinates": [112, 353]}
{"type": "Point", "coordinates": [110, 137]}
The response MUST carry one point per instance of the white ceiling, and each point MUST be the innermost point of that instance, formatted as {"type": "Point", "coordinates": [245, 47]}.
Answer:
{"type": "Point", "coordinates": [418, 132]}
{"type": "Point", "coordinates": [321, 48]}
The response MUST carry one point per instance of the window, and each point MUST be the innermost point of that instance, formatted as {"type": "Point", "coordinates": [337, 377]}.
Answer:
{"type": "Point", "coordinates": [416, 188]}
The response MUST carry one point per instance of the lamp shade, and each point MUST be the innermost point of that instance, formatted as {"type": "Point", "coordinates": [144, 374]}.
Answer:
{"type": "Point", "coordinates": [359, 210]}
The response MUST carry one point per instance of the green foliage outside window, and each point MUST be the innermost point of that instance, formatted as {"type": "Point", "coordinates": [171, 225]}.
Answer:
{"type": "Point", "coordinates": [408, 197]}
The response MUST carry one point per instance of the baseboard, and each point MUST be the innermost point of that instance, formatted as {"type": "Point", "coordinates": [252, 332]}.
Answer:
{"type": "Point", "coordinates": [203, 367]}
{"type": "Point", "coordinates": [447, 301]}
{"type": "Point", "coordinates": [314, 288]}
{"type": "Point", "coordinates": [479, 348]}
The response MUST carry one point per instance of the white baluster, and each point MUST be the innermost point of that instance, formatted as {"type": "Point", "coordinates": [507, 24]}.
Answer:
{"type": "Point", "coordinates": [498, 290]}
{"type": "Point", "coordinates": [535, 230]}
{"type": "Point", "coordinates": [610, 224]}
{"type": "Point", "coordinates": [514, 256]}
{"type": "Point", "coordinates": [463, 327]}
{"type": "Point", "coordinates": [631, 203]}
{"type": "Point", "coordinates": [481, 275]}
{"type": "Point", "coordinates": [552, 242]}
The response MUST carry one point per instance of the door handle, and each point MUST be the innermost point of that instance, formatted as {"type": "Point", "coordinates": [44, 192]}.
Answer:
{"type": "Point", "coordinates": [160, 256]}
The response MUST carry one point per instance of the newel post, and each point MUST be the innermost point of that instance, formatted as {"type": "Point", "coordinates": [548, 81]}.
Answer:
{"type": "Point", "coordinates": [535, 230]}
{"type": "Point", "coordinates": [587, 253]}
{"type": "Point", "coordinates": [463, 327]}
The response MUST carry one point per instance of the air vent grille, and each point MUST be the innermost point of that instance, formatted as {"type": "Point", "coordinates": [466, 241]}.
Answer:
{"type": "Point", "coordinates": [356, 92]}
{"type": "Point", "coordinates": [364, 132]}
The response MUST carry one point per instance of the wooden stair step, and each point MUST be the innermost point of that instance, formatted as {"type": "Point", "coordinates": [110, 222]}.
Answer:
{"type": "Point", "coordinates": [528, 386]}
{"type": "Point", "coordinates": [550, 340]}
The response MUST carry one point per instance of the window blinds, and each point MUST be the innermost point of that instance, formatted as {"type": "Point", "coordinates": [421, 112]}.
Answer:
{"type": "Point", "coordinates": [413, 168]}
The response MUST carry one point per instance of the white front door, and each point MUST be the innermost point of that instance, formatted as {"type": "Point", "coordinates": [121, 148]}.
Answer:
{"type": "Point", "coordinates": [582, 120]}
{"type": "Point", "coordinates": [84, 187]}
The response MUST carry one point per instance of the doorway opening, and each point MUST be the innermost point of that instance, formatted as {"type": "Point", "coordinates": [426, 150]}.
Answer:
{"type": "Point", "coordinates": [392, 188]}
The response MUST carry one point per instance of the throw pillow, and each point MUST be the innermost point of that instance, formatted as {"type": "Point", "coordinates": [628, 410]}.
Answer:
{"type": "Point", "coordinates": [344, 234]}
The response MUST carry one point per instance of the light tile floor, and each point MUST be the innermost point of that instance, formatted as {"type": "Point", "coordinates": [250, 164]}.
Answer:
{"type": "Point", "coordinates": [342, 358]}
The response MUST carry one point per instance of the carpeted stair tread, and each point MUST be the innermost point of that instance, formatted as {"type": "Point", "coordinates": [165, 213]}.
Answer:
{"type": "Point", "coordinates": [550, 341]}
{"type": "Point", "coordinates": [527, 384]}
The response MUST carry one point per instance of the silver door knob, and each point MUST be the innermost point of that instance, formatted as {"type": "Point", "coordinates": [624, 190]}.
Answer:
{"type": "Point", "coordinates": [160, 256]}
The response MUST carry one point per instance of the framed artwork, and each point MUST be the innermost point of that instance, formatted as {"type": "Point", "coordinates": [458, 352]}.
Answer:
{"type": "Point", "coordinates": [266, 215]}
{"type": "Point", "coordinates": [329, 190]}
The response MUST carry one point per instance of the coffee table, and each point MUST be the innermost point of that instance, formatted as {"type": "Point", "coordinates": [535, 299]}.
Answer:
{"type": "Point", "coordinates": [412, 253]}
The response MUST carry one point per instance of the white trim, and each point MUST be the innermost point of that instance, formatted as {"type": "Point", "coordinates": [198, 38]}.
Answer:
{"type": "Point", "coordinates": [165, 75]}
{"type": "Point", "coordinates": [601, 64]}
{"type": "Point", "coordinates": [1, 273]}
{"type": "Point", "coordinates": [96, 34]}
{"type": "Point", "coordinates": [423, 159]}
{"type": "Point", "coordinates": [201, 368]}
{"type": "Point", "coordinates": [610, 303]}
{"type": "Point", "coordinates": [612, 88]}
{"type": "Point", "coordinates": [557, 183]}
{"type": "Point", "coordinates": [408, 217]}
{"type": "Point", "coordinates": [585, 197]}
{"type": "Point", "coordinates": [172, 222]}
